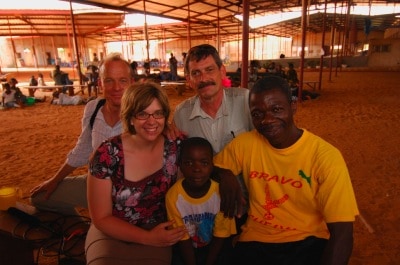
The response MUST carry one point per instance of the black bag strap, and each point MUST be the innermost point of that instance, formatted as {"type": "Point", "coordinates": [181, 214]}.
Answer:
{"type": "Point", "coordinates": [98, 106]}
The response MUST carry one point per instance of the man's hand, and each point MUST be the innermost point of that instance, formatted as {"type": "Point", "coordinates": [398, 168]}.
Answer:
{"type": "Point", "coordinates": [172, 132]}
{"type": "Point", "coordinates": [340, 244]}
{"type": "Point", "coordinates": [48, 186]}
{"type": "Point", "coordinates": [231, 193]}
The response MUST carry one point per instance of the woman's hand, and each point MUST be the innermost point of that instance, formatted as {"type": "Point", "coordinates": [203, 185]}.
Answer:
{"type": "Point", "coordinates": [164, 235]}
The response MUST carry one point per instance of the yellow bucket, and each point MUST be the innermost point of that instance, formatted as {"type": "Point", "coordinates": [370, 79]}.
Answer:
{"type": "Point", "coordinates": [8, 197]}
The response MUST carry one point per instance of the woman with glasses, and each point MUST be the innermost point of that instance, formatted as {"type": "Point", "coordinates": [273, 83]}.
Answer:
{"type": "Point", "coordinates": [129, 176]}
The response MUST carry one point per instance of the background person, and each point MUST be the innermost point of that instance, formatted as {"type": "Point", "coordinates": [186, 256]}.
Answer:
{"type": "Point", "coordinates": [96, 60]}
{"type": "Point", "coordinates": [40, 80]}
{"type": "Point", "coordinates": [64, 99]}
{"type": "Point", "coordinates": [134, 66]}
{"type": "Point", "coordinates": [302, 204]}
{"type": "Point", "coordinates": [19, 96]}
{"type": "Point", "coordinates": [291, 77]}
{"type": "Point", "coordinates": [293, 81]}
{"type": "Point", "coordinates": [8, 97]}
{"type": "Point", "coordinates": [62, 192]}
{"type": "Point", "coordinates": [92, 75]}
{"type": "Point", "coordinates": [129, 176]}
{"type": "Point", "coordinates": [33, 81]}
{"type": "Point", "coordinates": [56, 75]}
{"type": "Point", "coordinates": [173, 67]}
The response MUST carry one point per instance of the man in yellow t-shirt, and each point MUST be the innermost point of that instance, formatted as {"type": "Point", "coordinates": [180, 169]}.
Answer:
{"type": "Point", "coordinates": [302, 204]}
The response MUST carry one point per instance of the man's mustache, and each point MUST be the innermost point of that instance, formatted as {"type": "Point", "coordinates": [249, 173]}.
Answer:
{"type": "Point", "coordinates": [204, 84]}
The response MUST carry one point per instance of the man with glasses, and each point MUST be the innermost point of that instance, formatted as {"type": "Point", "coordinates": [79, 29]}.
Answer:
{"type": "Point", "coordinates": [62, 193]}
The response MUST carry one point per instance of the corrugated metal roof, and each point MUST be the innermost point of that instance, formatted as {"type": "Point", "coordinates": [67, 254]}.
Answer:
{"type": "Point", "coordinates": [206, 18]}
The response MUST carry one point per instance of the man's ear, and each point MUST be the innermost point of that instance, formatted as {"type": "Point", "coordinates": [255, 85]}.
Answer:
{"type": "Point", "coordinates": [223, 71]}
{"type": "Point", "coordinates": [189, 82]}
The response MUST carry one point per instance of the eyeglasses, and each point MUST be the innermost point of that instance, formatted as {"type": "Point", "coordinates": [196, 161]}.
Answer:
{"type": "Point", "coordinates": [159, 114]}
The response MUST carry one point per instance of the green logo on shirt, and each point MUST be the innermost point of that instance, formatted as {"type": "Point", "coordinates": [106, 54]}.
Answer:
{"type": "Point", "coordinates": [303, 175]}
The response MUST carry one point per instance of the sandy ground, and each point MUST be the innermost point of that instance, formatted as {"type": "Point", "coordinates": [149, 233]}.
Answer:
{"type": "Point", "coordinates": [358, 112]}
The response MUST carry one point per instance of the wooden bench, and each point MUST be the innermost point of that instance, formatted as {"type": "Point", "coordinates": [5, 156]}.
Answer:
{"type": "Point", "coordinates": [59, 88]}
{"type": "Point", "coordinates": [311, 84]}
{"type": "Point", "coordinates": [180, 86]}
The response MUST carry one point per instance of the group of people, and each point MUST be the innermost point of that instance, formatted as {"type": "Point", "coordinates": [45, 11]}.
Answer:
{"type": "Point", "coordinates": [12, 96]}
{"type": "Point", "coordinates": [291, 77]}
{"type": "Point", "coordinates": [161, 193]}
{"type": "Point", "coordinates": [39, 81]}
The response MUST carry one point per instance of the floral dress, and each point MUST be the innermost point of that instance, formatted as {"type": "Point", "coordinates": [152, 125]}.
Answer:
{"type": "Point", "coordinates": [141, 203]}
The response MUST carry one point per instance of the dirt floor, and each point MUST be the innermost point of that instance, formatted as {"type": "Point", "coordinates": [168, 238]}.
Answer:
{"type": "Point", "coordinates": [358, 112]}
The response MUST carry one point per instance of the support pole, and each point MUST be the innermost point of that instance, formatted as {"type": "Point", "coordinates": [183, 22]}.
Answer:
{"type": "Point", "coordinates": [338, 53]}
{"type": "Point", "coordinates": [69, 43]}
{"type": "Point", "coordinates": [189, 41]}
{"type": "Point", "coordinates": [303, 45]}
{"type": "Point", "coordinates": [332, 43]}
{"type": "Point", "coordinates": [54, 50]}
{"type": "Point", "coordinates": [146, 32]}
{"type": "Point", "coordinates": [321, 60]}
{"type": "Point", "coordinates": [13, 45]}
{"type": "Point", "coordinates": [218, 29]}
{"type": "Point", "coordinates": [245, 44]}
{"type": "Point", "coordinates": [34, 51]}
{"type": "Point", "coordinates": [78, 59]}
{"type": "Point", "coordinates": [345, 49]}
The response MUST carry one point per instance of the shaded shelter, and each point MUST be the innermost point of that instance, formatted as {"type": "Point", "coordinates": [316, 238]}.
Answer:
{"type": "Point", "coordinates": [200, 20]}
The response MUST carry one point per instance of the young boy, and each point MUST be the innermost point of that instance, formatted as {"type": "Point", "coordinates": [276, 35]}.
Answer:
{"type": "Point", "coordinates": [194, 201]}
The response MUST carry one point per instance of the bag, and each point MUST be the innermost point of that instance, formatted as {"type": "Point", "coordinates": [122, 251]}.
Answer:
{"type": "Point", "coordinates": [98, 106]}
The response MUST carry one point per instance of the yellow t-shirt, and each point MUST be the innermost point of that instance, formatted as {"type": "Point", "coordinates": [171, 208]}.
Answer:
{"type": "Point", "coordinates": [293, 192]}
{"type": "Point", "coordinates": [201, 216]}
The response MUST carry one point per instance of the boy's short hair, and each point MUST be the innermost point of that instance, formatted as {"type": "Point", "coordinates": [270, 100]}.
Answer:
{"type": "Point", "coordinates": [194, 142]}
